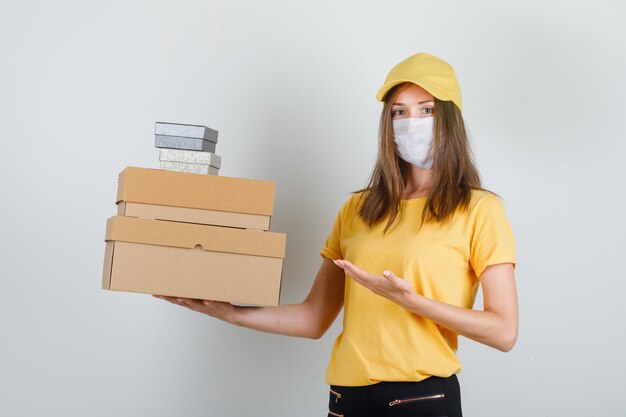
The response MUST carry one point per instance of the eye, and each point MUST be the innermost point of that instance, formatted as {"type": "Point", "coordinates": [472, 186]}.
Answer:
{"type": "Point", "coordinates": [397, 112]}
{"type": "Point", "coordinates": [428, 110]}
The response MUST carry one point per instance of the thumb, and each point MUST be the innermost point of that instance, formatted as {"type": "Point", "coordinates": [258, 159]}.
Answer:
{"type": "Point", "coordinates": [389, 275]}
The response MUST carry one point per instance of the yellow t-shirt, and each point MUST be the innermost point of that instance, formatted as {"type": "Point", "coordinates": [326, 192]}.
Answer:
{"type": "Point", "coordinates": [380, 340]}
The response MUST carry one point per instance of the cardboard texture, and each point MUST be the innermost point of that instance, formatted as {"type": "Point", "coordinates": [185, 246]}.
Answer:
{"type": "Point", "coordinates": [198, 216]}
{"type": "Point", "coordinates": [188, 131]}
{"type": "Point", "coordinates": [176, 272]}
{"type": "Point", "coordinates": [195, 261]}
{"type": "Point", "coordinates": [190, 157]}
{"type": "Point", "coordinates": [208, 192]}
{"type": "Point", "coordinates": [185, 235]}
{"type": "Point", "coordinates": [191, 168]}
{"type": "Point", "coordinates": [190, 144]}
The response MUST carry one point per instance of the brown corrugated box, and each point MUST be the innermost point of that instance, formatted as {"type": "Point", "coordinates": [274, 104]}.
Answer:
{"type": "Point", "coordinates": [192, 198]}
{"type": "Point", "coordinates": [195, 261]}
{"type": "Point", "coordinates": [191, 215]}
{"type": "Point", "coordinates": [209, 192]}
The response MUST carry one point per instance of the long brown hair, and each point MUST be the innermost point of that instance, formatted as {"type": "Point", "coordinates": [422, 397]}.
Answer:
{"type": "Point", "coordinates": [454, 172]}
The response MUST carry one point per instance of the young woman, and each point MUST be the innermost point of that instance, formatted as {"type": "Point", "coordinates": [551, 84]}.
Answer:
{"type": "Point", "coordinates": [404, 259]}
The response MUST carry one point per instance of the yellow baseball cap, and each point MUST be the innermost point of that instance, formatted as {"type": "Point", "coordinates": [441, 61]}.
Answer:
{"type": "Point", "coordinates": [429, 72]}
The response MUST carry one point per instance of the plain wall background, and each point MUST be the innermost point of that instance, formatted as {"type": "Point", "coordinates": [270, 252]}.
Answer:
{"type": "Point", "coordinates": [290, 86]}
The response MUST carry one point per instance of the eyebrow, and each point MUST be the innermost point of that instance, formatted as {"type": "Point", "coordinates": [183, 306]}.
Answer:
{"type": "Point", "coordinates": [421, 102]}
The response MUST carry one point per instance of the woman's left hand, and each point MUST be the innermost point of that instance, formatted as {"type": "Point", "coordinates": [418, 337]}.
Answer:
{"type": "Point", "coordinates": [387, 285]}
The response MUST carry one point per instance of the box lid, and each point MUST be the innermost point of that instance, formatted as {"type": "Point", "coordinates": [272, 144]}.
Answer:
{"type": "Point", "coordinates": [186, 235]}
{"type": "Point", "coordinates": [181, 189]}
{"type": "Point", "coordinates": [187, 131]}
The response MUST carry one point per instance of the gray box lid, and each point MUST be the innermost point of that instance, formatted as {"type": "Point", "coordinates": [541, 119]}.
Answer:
{"type": "Point", "coordinates": [186, 131]}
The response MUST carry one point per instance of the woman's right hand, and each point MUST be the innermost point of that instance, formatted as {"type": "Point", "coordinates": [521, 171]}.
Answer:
{"type": "Point", "coordinates": [218, 309]}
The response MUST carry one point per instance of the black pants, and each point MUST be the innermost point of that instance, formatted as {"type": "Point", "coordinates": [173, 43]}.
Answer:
{"type": "Point", "coordinates": [432, 397]}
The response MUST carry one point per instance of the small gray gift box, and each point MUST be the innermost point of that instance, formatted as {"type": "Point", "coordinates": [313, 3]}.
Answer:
{"type": "Point", "coordinates": [190, 144]}
{"type": "Point", "coordinates": [186, 137]}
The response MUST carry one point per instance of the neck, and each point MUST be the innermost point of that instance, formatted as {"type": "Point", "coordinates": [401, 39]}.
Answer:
{"type": "Point", "coordinates": [418, 183]}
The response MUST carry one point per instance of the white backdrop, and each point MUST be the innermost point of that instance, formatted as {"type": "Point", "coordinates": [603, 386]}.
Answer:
{"type": "Point", "coordinates": [290, 86]}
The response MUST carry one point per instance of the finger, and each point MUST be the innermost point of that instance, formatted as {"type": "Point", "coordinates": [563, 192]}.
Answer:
{"type": "Point", "coordinates": [359, 273]}
{"type": "Point", "coordinates": [398, 282]}
{"type": "Point", "coordinates": [188, 302]}
{"type": "Point", "coordinates": [357, 278]}
{"type": "Point", "coordinates": [367, 280]}
{"type": "Point", "coordinates": [364, 278]}
{"type": "Point", "coordinates": [339, 263]}
{"type": "Point", "coordinates": [179, 301]}
{"type": "Point", "coordinates": [350, 269]}
{"type": "Point", "coordinates": [195, 303]}
{"type": "Point", "coordinates": [167, 298]}
{"type": "Point", "coordinates": [346, 265]}
{"type": "Point", "coordinates": [186, 299]}
{"type": "Point", "coordinates": [176, 301]}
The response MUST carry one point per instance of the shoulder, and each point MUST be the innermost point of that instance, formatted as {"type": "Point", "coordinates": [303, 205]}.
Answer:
{"type": "Point", "coordinates": [487, 208]}
{"type": "Point", "coordinates": [484, 200]}
{"type": "Point", "coordinates": [353, 202]}
{"type": "Point", "coordinates": [484, 204]}
{"type": "Point", "coordinates": [350, 208]}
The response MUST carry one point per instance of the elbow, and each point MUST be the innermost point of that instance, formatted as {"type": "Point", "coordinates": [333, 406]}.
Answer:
{"type": "Point", "coordinates": [507, 342]}
{"type": "Point", "coordinates": [317, 333]}
{"type": "Point", "coordinates": [504, 334]}
{"type": "Point", "coordinates": [506, 347]}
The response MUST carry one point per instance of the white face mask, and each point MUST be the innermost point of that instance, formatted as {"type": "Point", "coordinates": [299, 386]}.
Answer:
{"type": "Point", "coordinates": [414, 140]}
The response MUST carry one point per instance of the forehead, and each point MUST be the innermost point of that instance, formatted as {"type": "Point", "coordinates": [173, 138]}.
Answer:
{"type": "Point", "coordinates": [409, 92]}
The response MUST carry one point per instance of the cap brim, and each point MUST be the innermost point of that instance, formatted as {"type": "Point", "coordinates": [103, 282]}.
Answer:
{"type": "Point", "coordinates": [434, 90]}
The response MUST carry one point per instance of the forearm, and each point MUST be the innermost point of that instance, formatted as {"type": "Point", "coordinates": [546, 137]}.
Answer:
{"type": "Point", "coordinates": [311, 318]}
{"type": "Point", "coordinates": [495, 326]}
{"type": "Point", "coordinates": [487, 327]}
{"type": "Point", "coordinates": [290, 320]}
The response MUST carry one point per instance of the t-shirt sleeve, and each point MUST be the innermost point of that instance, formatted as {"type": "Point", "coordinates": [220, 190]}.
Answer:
{"type": "Point", "coordinates": [492, 238]}
{"type": "Point", "coordinates": [332, 246]}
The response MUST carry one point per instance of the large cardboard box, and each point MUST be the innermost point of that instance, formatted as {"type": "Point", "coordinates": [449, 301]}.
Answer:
{"type": "Point", "coordinates": [194, 261]}
{"type": "Point", "coordinates": [204, 199]}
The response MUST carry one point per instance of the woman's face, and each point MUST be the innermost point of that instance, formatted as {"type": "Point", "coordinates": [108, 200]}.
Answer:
{"type": "Point", "coordinates": [413, 101]}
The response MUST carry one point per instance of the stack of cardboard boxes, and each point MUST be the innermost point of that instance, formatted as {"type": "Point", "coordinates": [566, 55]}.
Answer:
{"type": "Point", "coordinates": [187, 148]}
{"type": "Point", "coordinates": [196, 236]}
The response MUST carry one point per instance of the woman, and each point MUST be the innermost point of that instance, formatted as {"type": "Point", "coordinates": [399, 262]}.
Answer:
{"type": "Point", "coordinates": [405, 258]}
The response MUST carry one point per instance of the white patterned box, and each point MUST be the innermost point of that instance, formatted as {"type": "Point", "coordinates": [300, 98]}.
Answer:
{"type": "Point", "coordinates": [190, 157]}
{"type": "Point", "coordinates": [191, 168]}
